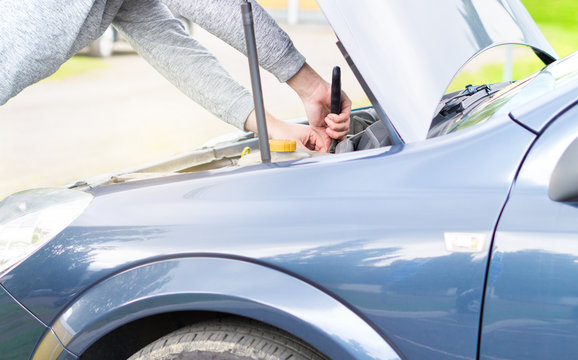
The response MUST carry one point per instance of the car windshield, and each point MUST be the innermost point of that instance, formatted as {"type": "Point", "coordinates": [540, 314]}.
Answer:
{"type": "Point", "coordinates": [521, 92]}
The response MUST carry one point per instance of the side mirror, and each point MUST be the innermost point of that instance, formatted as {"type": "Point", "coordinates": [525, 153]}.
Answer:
{"type": "Point", "coordinates": [564, 182]}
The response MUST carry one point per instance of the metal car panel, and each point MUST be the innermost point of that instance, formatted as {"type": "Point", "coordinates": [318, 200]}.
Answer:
{"type": "Point", "coordinates": [19, 331]}
{"type": "Point", "coordinates": [230, 286]}
{"type": "Point", "coordinates": [558, 89]}
{"type": "Point", "coordinates": [372, 228]}
{"type": "Point", "coordinates": [531, 306]}
{"type": "Point", "coordinates": [408, 51]}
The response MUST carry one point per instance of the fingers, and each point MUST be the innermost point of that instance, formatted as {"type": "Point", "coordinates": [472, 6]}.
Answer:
{"type": "Point", "coordinates": [337, 122]}
{"type": "Point", "coordinates": [324, 142]}
{"type": "Point", "coordinates": [337, 125]}
{"type": "Point", "coordinates": [305, 136]}
{"type": "Point", "coordinates": [317, 141]}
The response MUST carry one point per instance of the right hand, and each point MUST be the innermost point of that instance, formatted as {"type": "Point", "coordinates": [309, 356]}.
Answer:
{"type": "Point", "coordinates": [315, 93]}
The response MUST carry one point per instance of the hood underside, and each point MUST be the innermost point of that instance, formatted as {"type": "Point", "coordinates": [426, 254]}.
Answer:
{"type": "Point", "coordinates": [409, 51]}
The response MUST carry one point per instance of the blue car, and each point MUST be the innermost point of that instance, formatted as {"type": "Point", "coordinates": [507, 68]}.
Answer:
{"type": "Point", "coordinates": [440, 229]}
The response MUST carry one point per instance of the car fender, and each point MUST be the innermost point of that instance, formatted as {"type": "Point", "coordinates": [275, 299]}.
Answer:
{"type": "Point", "coordinates": [227, 285]}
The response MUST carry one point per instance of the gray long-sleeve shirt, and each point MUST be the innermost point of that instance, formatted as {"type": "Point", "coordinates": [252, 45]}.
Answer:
{"type": "Point", "coordinates": [277, 54]}
{"type": "Point", "coordinates": [37, 36]}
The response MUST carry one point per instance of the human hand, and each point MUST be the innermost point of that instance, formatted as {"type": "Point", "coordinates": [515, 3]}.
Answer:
{"type": "Point", "coordinates": [315, 93]}
{"type": "Point", "coordinates": [305, 136]}
{"type": "Point", "coordinates": [318, 111]}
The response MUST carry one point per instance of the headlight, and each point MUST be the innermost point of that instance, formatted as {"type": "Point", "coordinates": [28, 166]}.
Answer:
{"type": "Point", "coordinates": [29, 219]}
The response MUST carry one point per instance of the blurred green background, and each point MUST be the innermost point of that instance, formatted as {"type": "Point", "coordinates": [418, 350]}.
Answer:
{"type": "Point", "coordinates": [557, 19]}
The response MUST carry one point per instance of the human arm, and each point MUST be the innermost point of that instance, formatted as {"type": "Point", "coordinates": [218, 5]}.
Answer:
{"type": "Point", "coordinates": [304, 136]}
{"type": "Point", "coordinates": [160, 38]}
{"type": "Point", "coordinates": [277, 54]}
{"type": "Point", "coordinates": [36, 37]}
{"type": "Point", "coordinates": [222, 18]}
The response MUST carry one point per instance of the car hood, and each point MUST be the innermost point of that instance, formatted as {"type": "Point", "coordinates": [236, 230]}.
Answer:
{"type": "Point", "coordinates": [407, 52]}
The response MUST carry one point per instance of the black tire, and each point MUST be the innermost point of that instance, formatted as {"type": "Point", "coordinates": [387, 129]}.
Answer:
{"type": "Point", "coordinates": [228, 339]}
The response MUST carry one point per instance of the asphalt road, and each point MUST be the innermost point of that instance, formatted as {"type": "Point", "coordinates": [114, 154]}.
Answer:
{"type": "Point", "coordinates": [59, 131]}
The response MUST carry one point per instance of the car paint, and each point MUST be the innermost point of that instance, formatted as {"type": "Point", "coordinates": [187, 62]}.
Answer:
{"type": "Point", "coordinates": [356, 247]}
{"type": "Point", "coordinates": [355, 242]}
{"type": "Point", "coordinates": [234, 286]}
{"type": "Point", "coordinates": [19, 330]}
{"type": "Point", "coordinates": [531, 308]}
{"type": "Point", "coordinates": [397, 48]}
{"type": "Point", "coordinates": [376, 235]}
{"type": "Point", "coordinates": [539, 112]}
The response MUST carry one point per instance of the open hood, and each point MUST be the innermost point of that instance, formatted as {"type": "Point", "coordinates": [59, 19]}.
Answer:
{"type": "Point", "coordinates": [409, 51]}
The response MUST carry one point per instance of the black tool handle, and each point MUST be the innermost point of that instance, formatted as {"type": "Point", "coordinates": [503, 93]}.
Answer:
{"type": "Point", "coordinates": [335, 100]}
{"type": "Point", "coordinates": [336, 91]}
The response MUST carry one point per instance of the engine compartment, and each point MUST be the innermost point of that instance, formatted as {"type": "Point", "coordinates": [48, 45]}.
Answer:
{"type": "Point", "coordinates": [367, 131]}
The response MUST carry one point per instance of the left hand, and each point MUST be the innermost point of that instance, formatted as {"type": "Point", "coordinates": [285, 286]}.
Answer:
{"type": "Point", "coordinates": [305, 136]}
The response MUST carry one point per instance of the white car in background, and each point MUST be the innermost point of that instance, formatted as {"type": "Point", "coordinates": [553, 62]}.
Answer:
{"type": "Point", "coordinates": [104, 46]}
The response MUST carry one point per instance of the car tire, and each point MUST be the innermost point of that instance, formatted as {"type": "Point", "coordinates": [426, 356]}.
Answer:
{"type": "Point", "coordinates": [103, 46]}
{"type": "Point", "coordinates": [227, 340]}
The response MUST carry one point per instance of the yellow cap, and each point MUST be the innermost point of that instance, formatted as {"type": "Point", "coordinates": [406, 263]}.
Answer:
{"type": "Point", "coordinates": [277, 145]}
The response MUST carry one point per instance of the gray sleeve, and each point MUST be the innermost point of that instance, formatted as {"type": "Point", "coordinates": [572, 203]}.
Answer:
{"type": "Point", "coordinates": [36, 37]}
{"type": "Point", "coordinates": [160, 38]}
{"type": "Point", "coordinates": [222, 18]}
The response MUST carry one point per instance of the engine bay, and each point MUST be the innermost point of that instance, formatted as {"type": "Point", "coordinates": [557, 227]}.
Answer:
{"type": "Point", "coordinates": [366, 131]}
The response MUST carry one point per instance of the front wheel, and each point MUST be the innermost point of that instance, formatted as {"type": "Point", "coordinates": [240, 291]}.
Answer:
{"type": "Point", "coordinates": [228, 340]}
